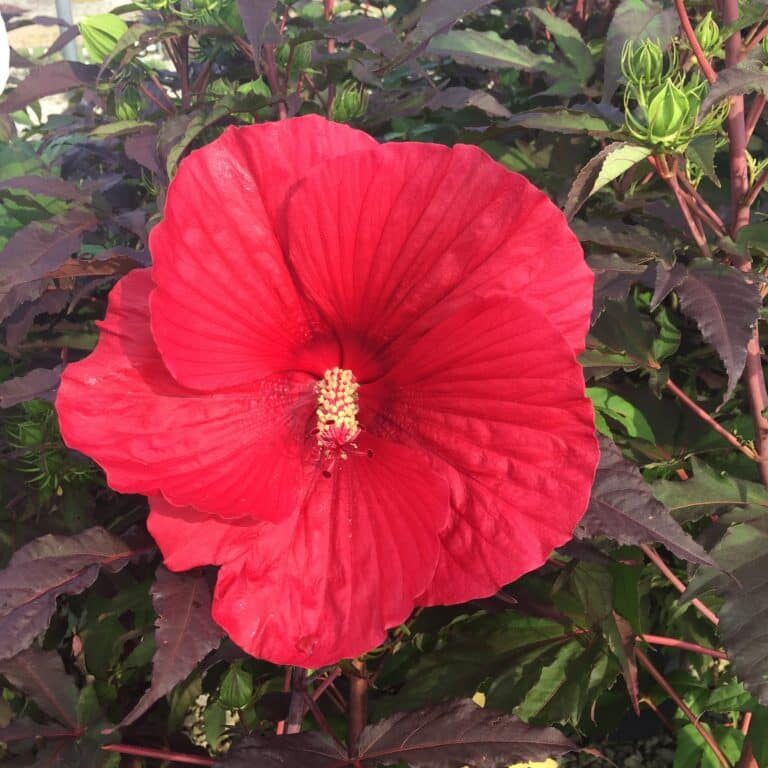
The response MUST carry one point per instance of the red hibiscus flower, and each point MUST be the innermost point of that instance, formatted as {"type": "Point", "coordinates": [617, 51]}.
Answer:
{"type": "Point", "coordinates": [348, 379]}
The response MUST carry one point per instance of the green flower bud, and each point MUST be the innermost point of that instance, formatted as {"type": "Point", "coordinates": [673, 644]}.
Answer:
{"type": "Point", "coordinates": [236, 688]}
{"type": "Point", "coordinates": [670, 113]}
{"type": "Point", "coordinates": [708, 34]}
{"type": "Point", "coordinates": [642, 63]}
{"type": "Point", "coordinates": [101, 33]}
{"type": "Point", "coordinates": [351, 102]}
{"type": "Point", "coordinates": [764, 46]}
{"type": "Point", "coordinates": [128, 104]}
{"type": "Point", "coordinates": [300, 59]}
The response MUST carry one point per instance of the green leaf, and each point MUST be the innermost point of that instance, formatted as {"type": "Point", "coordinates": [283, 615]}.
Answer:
{"type": "Point", "coordinates": [668, 341]}
{"type": "Point", "coordinates": [569, 41]}
{"type": "Point", "coordinates": [709, 492]}
{"type": "Point", "coordinates": [621, 410]}
{"type": "Point", "coordinates": [236, 687]}
{"type": "Point", "coordinates": [559, 120]}
{"type": "Point", "coordinates": [693, 752]}
{"type": "Point", "coordinates": [607, 165]}
{"type": "Point", "coordinates": [487, 50]}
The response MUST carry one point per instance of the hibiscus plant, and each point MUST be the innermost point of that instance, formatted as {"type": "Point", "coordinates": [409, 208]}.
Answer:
{"type": "Point", "coordinates": [383, 384]}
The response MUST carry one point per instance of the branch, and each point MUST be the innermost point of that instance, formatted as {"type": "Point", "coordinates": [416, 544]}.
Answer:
{"type": "Point", "coordinates": [670, 691]}
{"type": "Point", "coordinates": [693, 41]}
{"type": "Point", "coordinates": [673, 642]}
{"type": "Point", "coordinates": [157, 754]}
{"type": "Point", "coordinates": [358, 707]}
{"type": "Point", "coordinates": [704, 416]}
{"type": "Point", "coordinates": [654, 557]}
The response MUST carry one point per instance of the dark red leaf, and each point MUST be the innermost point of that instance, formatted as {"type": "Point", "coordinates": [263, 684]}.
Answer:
{"type": "Point", "coordinates": [18, 325]}
{"type": "Point", "coordinates": [623, 508]}
{"type": "Point", "coordinates": [185, 633]}
{"type": "Point", "coordinates": [38, 248]}
{"type": "Point", "coordinates": [666, 279]}
{"type": "Point", "coordinates": [44, 569]}
{"type": "Point", "coordinates": [52, 186]}
{"type": "Point", "coordinates": [41, 676]}
{"type": "Point", "coordinates": [437, 17]}
{"type": "Point", "coordinates": [22, 729]}
{"type": "Point", "coordinates": [725, 306]}
{"type": "Point", "coordinates": [459, 733]}
{"type": "Point", "coordinates": [39, 383]}
{"type": "Point", "coordinates": [256, 15]}
{"type": "Point", "coordinates": [456, 733]}
{"type": "Point", "coordinates": [48, 80]}
{"type": "Point", "coordinates": [302, 750]}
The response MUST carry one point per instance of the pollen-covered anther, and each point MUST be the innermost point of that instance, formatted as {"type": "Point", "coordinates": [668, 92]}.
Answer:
{"type": "Point", "coordinates": [337, 408]}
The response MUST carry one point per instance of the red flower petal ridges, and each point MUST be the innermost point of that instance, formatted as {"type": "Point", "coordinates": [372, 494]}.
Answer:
{"type": "Point", "coordinates": [349, 379]}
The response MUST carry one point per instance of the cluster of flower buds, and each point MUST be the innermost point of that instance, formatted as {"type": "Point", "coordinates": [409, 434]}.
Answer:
{"type": "Point", "coordinates": [662, 103]}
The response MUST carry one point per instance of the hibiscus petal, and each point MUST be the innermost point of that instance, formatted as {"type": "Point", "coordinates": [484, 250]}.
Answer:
{"type": "Point", "coordinates": [225, 311]}
{"type": "Point", "coordinates": [497, 398]}
{"type": "Point", "coordinates": [234, 453]}
{"type": "Point", "coordinates": [189, 538]}
{"type": "Point", "coordinates": [396, 238]}
{"type": "Point", "coordinates": [326, 584]}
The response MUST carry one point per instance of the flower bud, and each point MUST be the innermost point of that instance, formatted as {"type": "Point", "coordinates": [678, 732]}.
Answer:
{"type": "Point", "coordinates": [642, 64]}
{"type": "Point", "coordinates": [708, 34]}
{"type": "Point", "coordinates": [128, 104]}
{"type": "Point", "coordinates": [101, 33]}
{"type": "Point", "coordinates": [670, 112]}
{"type": "Point", "coordinates": [764, 46]}
{"type": "Point", "coordinates": [300, 57]}
{"type": "Point", "coordinates": [351, 102]}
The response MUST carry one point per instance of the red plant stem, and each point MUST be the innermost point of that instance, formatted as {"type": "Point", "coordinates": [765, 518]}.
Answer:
{"type": "Point", "coordinates": [745, 723]}
{"type": "Point", "coordinates": [673, 642]}
{"type": "Point", "coordinates": [656, 711]}
{"type": "Point", "coordinates": [753, 116]}
{"type": "Point", "coordinates": [717, 224]}
{"type": "Point", "coordinates": [685, 23]}
{"type": "Point", "coordinates": [280, 729]}
{"type": "Point", "coordinates": [756, 39]}
{"type": "Point", "coordinates": [273, 79]}
{"type": "Point", "coordinates": [704, 416]}
{"type": "Point", "coordinates": [297, 707]}
{"type": "Point", "coordinates": [654, 557]}
{"type": "Point", "coordinates": [143, 88]}
{"type": "Point", "coordinates": [670, 691]}
{"type": "Point", "coordinates": [755, 382]}
{"type": "Point", "coordinates": [693, 227]}
{"type": "Point", "coordinates": [321, 720]}
{"type": "Point", "coordinates": [320, 690]}
{"type": "Point", "coordinates": [358, 707]}
{"type": "Point", "coordinates": [157, 754]}
{"type": "Point", "coordinates": [747, 759]}
{"type": "Point", "coordinates": [757, 187]}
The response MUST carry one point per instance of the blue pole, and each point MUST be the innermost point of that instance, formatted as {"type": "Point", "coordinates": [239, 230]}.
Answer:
{"type": "Point", "coordinates": [64, 12]}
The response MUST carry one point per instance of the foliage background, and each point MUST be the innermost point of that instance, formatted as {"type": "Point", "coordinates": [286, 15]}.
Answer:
{"type": "Point", "coordinates": [95, 649]}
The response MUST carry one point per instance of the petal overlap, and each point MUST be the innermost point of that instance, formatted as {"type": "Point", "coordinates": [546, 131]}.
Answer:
{"type": "Point", "coordinates": [392, 240]}
{"type": "Point", "coordinates": [496, 397]}
{"type": "Point", "coordinates": [235, 453]}
{"type": "Point", "coordinates": [225, 310]}
{"type": "Point", "coordinates": [328, 583]}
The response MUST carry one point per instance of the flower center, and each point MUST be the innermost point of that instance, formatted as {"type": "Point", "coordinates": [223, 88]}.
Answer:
{"type": "Point", "coordinates": [337, 407]}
